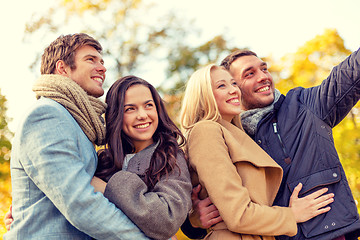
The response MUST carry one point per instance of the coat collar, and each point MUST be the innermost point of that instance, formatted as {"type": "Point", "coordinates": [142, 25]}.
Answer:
{"type": "Point", "coordinates": [141, 161]}
{"type": "Point", "coordinates": [278, 103]}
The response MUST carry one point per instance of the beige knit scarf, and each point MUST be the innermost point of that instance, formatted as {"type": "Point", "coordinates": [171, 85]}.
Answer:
{"type": "Point", "coordinates": [85, 109]}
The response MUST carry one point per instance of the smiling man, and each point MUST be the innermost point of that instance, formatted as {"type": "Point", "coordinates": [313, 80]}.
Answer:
{"type": "Point", "coordinates": [256, 93]}
{"type": "Point", "coordinates": [53, 156]}
{"type": "Point", "coordinates": [296, 131]}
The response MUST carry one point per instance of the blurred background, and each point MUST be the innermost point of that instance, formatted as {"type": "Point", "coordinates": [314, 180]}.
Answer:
{"type": "Point", "coordinates": [165, 41]}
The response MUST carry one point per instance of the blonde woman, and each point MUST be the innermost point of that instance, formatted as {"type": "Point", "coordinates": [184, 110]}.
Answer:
{"type": "Point", "coordinates": [233, 171]}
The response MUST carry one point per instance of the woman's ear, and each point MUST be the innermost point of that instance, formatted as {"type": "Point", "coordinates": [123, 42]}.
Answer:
{"type": "Point", "coordinates": [61, 68]}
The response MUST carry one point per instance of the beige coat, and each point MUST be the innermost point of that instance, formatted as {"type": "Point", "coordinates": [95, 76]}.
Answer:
{"type": "Point", "coordinates": [241, 180]}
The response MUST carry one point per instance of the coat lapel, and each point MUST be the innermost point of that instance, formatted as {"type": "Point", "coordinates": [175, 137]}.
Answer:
{"type": "Point", "coordinates": [250, 151]}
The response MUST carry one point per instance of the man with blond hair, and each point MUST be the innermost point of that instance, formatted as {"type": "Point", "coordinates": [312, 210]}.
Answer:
{"type": "Point", "coordinates": [53, 155]}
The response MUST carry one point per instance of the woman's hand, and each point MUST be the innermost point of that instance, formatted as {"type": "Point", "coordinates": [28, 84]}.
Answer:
{"type": "Point", "coordinates": [8, 219]}
{"type": "Point", "coordinates": [98, 184]}
{"type": "Point", "coordinates": [311, 205]}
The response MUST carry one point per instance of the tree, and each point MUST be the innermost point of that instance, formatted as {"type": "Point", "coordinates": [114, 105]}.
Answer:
{"type": "Point", "coordinates": [5, 134]}
{"type": "Point", "coordinates": [5, 148]}
{"type": "Point", "coordinates": [136, 37]}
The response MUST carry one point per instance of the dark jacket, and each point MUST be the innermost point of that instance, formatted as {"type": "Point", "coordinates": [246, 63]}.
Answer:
{"type": "Point", "coordinates": [298, 136]}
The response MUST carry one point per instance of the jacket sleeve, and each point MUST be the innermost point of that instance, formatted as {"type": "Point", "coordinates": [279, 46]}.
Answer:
{"type": "Point", "coordinates": [219, 176]}
{"type": "Point", "coordinates": [50, 155]}
{"type": "Point", "coordinates": [332, 100]}
{"type": "Point", "coordinates": [158, 213]}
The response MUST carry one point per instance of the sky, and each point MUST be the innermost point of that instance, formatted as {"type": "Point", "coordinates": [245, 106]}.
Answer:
{"type": "Point", "coordinates": [274, 28]}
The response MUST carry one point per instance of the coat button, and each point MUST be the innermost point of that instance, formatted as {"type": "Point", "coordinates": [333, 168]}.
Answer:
{"type": "Point", "coordinates": [259, 141]}
{"type": "Point", "coordinates": [334, 174]}
{"type": "Point", "coordinates": [326, 226]}
{"type": "Point", "coordinates": [333, 224]}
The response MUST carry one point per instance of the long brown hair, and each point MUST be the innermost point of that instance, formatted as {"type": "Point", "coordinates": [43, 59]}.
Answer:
{"type": "Point", "coordinates": [118, 144]}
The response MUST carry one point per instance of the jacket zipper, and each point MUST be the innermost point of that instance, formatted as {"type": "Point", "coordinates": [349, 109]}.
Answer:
{"type": "Point", "coordinates": [287, 158]}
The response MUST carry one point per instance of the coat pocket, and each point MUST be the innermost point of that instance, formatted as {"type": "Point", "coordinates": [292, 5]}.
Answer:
{"type": "Point", "coordinates": [316, 180]}
{"type": "Point", "coordinates": [343, 210]}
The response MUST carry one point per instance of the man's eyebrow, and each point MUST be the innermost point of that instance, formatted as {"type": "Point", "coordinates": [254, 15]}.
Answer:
{"type": "Point", "coordinates": [90, 55]}
{"type": "Point", "coordinates": [94, 56]}
{"type": "Point", "coordinates": [249, 68]}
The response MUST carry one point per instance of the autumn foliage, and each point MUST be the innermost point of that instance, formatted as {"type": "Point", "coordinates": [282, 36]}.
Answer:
{"type": "Point", "coordinates": [5, 150]}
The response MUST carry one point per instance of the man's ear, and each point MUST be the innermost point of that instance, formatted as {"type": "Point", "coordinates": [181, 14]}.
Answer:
{"type": "Point", "coordinates": [61, 68]}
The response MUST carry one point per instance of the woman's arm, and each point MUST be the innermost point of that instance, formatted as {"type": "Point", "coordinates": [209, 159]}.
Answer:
{"type": "Point", "coordinates": [158, 213]}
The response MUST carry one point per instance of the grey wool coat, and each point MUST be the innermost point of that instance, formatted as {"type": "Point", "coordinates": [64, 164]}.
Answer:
{"type": "Point", "coordinates": [160, 212]}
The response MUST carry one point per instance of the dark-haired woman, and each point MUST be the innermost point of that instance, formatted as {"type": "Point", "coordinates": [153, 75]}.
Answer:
{"type": "Point", "coordinates": [146, 173]}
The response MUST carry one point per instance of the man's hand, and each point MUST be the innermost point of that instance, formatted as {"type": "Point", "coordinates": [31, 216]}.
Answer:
{"type": "Point", "coordinates": [204, 214]}
{"type": "Point", "coordinates": [8, 219]}
{"type": "Point", "coordinates": [98, 184]}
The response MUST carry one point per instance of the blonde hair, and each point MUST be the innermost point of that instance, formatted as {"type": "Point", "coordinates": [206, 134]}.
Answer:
{"type": "Point", "coordinates": [199, 102]}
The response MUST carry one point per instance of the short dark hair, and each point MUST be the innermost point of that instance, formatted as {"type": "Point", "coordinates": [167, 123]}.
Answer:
{"type": "Point", "coordinates": [64, 48]}
{"type": "Point", "coordinates": [226, 63]}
